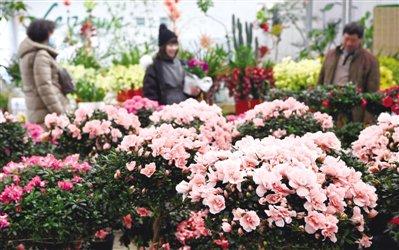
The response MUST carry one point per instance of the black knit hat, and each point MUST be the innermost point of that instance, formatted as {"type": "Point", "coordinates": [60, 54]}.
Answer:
{"type": "Point", "coordinates": [165, 35]}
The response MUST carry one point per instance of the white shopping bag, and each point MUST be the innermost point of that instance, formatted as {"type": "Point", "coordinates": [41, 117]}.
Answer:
{"type": "Point", "coordinates": [194, 85]}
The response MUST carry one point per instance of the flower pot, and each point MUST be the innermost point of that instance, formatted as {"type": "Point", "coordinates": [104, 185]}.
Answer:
{"type": "Point", "coordinates": [94, 105]}
{"type": "Point", "coordinates": [245, 105]}
{"type": "Point", "coordinates": [106, 244]}
{"type": "Point", "coordinates": [124, 95]}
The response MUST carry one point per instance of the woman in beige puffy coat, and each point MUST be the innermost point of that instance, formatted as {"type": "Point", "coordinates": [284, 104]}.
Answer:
{"type": "Point", "coordinates": [39, 72]}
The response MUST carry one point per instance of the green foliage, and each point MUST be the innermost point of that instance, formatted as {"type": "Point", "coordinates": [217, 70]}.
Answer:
{"type": "Point", "coordinates": [13, 71]}
{"type": "Point", "coordinates": [320, 40]}
{"type": "Point", "coordinates": [205, 5]}
{"type": "Point", "coordinates": [123, 194]}
{"type": "Point", "coordinates": [244, 57]}
{"type": "Point", "coordinates": [131, 57]}
{"type": "Point", "coordinates": [294, 125]}
{"type": "Point", "coordinates": [349, 133]}
{"type": "Point", "coordinates": [216, 58]}
{"type": "Point", "coordinates": [3, 101]}
{"type": "Point", "coordinates": [9, 7]}
{"type": "Point", "coordinates": [13, 142]}
{"type": "Point", "coordinates": [53, 215]}
{"type": "Point", "coordinates": [89, 92]}
{"type": "Point", "coordinates": [368, 30]}
{"type": "Point", "coordinates": [85, 58]}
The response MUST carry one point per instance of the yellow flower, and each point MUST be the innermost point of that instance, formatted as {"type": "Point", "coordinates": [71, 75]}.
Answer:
{"type": "Point", "coordinates": [293, 75]}
{"type": "Point", "coordinates": [386, 78]}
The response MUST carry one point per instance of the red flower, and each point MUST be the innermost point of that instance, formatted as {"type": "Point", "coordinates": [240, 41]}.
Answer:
{"type": "Point", "coordinates": [395, 109]}
{"type": "Point", "coordinates": [67, 2]}
{"type": "Point", "coordinates": [395, 221]}
{"type": "Point", "coordinates": [264, 27]}
{"type": "Point", "coordinates": [263, 50]}
{"type": "Point", "coordinates": [127, 221]}
{"type": "Point", "coordinates": [222, 243]}
{"type": "Point", "coordinates": [364, 103]}
{"type": "Point", "coordinates": [326, 103]}
{"type": "Point", "coordinates": [143, 212]}
{"type": "Point", "coordinates": [20, 247]}
{"type": "Point", "coordinates": [101, 234]}
{"type": "Point", "coordinates": [387, 101]}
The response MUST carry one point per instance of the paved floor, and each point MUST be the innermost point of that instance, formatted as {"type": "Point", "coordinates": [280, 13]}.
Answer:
{"type": "Point", "coordinates": [118, 246]}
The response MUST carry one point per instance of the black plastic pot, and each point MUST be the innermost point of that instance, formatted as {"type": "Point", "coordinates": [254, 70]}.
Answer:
{"type": "Point", "coordinates": [106, 244]}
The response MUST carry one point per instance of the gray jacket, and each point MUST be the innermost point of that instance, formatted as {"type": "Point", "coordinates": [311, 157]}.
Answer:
{"type": "Point", "coordinates": [156, 88]}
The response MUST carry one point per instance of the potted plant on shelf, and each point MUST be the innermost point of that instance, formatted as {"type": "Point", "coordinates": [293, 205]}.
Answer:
{"type": "Point", "coordinates": [247, 80]}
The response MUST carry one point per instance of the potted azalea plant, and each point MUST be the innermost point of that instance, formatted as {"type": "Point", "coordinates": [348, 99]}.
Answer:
{"type": "Point", "coordinates": [282, 118]}
{"type": "Point", "coordinates": [377, 147]}
{"type": "Point", "coordinates": [89, 131]}
{"type": "Point", "coordinates": [289, 193]}
{"type": "Point", "coordinates": [46, 203]}
{"type": "Point", "coordinates": [137, 183]}
{"type": "Point", "coordinates": [142, 107]}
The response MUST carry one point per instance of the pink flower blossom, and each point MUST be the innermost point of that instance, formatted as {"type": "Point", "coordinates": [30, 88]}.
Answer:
{"type": "Point", "coordinates": [249, 221]}
{"type": "Point", "coordinates": [131, 165]}
{"type": "Point", "coordinates": [65, 185]}
{"type": "Point", "coordinates": [35, 131]}
{"type": "Point", "coordinates": [279, 215]}
{"type": "Point", "coordinates": [314, 221]}
{"type": "Point", "coordinates": [192, 228]}
{"type": "Point", "coordinates": [148, 170]}
{"type": "Point", "coordinates": [365, 241]}
{"type": "Point", "coordinates": [127, 221]}
{"type": "Point", "coordinates": [11, 193]}
{"type": "Point", "coordinates": [4, 222]}
{"type": "Point", "coordinates": [216, 203]}
{"type": "Point", "coordinates": [226, 227]}
{"type": "Point", "coordinates": [143, 212]}
{"type": "Point", "coordinates": [101, 234]}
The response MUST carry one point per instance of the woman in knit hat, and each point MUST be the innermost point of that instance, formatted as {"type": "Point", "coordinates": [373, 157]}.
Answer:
{"type": "Point", "coordinates": [164, 78]}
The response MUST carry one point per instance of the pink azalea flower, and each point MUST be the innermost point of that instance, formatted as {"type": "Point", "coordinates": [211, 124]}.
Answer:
{"type": "Point", "coordinates": [148, 170]}
{"type": "Point", "coordinates": [4, 222]}
{"type": "Point", "coordinates": [143, 212]}
{"type": "Point", "coordinates": [127, 221]}
{"type": "Point", "coordinates": [314, 221]}
{"type": "Point", "coordinates": [365, 241]}
{"type": "Point", "coordinates": [249, 221]}
{"type": "Point", "coordinates": [216, 203]}
{"type": "Point", "coordinates": [11, 193]}
{"type": "Point", "coordinates": [65, 185]}
{"type": "Point", "coordinates": [131, 165]}
{"type": "Point", "coordinates": [101, 234]}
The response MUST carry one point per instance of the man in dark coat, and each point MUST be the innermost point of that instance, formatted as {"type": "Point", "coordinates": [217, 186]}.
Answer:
{"type": "Point", "coordinates": [349, 62]}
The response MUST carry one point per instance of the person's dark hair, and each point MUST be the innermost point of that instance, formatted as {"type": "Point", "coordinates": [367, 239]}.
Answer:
{"type": "Point", "coordinates": [354, 28]}
{"type": "Point", "coordinates": [39, 29]}
{"type": "Point", "coordinates": [161, 55]}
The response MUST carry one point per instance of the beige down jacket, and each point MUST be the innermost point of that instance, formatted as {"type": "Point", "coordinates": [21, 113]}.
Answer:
{"type": "Point", "coordinates": [39, 72]}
